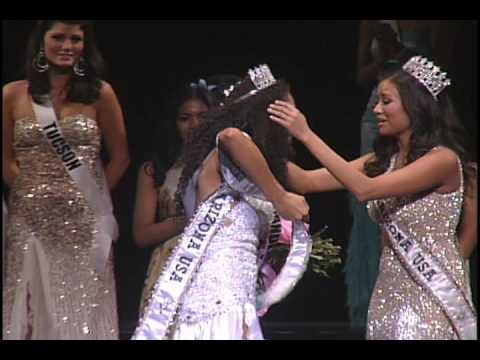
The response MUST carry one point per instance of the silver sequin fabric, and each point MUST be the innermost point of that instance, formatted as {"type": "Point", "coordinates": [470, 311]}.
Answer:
{"type": "Point", "coordinates": [400, 308]}
{"type": "Point", "coordinates": [227, 275]}
{"type": "Point", "coordinates": [51, 290]}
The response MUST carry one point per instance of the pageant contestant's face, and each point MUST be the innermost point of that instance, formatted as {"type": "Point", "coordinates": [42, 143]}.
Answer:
{"type": "Point", "coordinates": [190, 113]}
{"type": "Point", "coordinates": [390, 113]}
{"type": "Point", "coordinates": [64, 44]}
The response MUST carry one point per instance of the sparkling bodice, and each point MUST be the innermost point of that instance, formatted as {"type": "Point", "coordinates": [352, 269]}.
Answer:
{"type": "Point", "coordinates": [227, 275]}
{"type": "Point", "coordinates": [36, 158]}
{"type": "Point", "coordinates": [400, 308]}
{"type": "Point", "coordinates": [431, 218]}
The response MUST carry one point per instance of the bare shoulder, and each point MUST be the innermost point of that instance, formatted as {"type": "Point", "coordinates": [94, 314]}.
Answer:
{"type": "Point", "coordinates": [443, 155]}
{"type": "Point", "coordinates": [106, 90]}
{"type": "Point", "coordinates": [107, 99]}
{"type": "Point", "coordinates": [230, 132]}
{"type": "Point", "coordinates": [442, 162]}
{"type": "Point", "coordinates": [15, 88]}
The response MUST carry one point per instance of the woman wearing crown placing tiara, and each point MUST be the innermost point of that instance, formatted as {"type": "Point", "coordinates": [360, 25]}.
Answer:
{"type": "Point", "coordinates": [421, 190]}
{"type": "Point", "coordinates": [59, 281]}
{"type": "Point", "coordinates": [207, 289]}
{"type": "Point", "coordinates": [384, 45]}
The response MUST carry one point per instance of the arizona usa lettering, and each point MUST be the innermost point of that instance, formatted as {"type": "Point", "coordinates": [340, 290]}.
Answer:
{"type": "Point", "coordinates": [201, 230]}
{"type": "Point", "coordinates": [199, 233]}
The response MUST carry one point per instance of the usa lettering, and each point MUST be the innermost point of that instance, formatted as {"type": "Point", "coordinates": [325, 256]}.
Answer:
{"type": "Point", "coordinates": [423, 267]}
{"type": "Point", "coordinates": [181, 268]}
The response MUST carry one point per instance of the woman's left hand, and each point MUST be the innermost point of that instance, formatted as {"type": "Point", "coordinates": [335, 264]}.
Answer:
{"type": "Point", "coordinates": [288, 116]}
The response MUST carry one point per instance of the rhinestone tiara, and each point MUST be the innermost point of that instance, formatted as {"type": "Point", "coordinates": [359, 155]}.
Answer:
{"type": "Point", "coordinates": [261, 76]}
{"type": "Point", "coordinates": [428, 74]}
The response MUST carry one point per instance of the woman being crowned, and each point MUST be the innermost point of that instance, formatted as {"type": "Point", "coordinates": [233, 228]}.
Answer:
{"type": "Point", "coordinates": [235, 177]}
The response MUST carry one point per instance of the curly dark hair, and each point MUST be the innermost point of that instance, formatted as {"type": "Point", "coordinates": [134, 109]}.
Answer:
{"type": "Point", "coordinates": [84, 89]}
{"type": "Point", "coordinates": [218, 83]}
{"type": "Point", "coordinates": [433, 122]}
{"type": "Point", "coordinates": [249, 115]}
{"type": "Point", "coordinates": [167, 144]}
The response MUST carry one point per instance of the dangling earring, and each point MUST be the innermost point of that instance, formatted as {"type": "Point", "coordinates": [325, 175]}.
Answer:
{"type": "Point", "coordinates": [40, 62]}
{"type": "Point", "coordinates": [80, 68]}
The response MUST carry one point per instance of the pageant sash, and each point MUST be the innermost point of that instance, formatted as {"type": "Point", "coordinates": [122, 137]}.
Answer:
{"type": "Point", "coordinates": [301, 245]}
{"type": "Point", "coordinates": [426, 271]}
{"type": "Point", "coordinates": [291, 272]}
{"type": "Point", "coordinates": [181, 266]}
{"type": "Point", "coordinates": [97, 198]}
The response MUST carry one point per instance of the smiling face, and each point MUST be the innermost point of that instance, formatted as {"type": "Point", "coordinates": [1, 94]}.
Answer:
{"type": "Point", "coordinates": [64, 44]}
{"type": "Point", "coordinates": [391, 115]}
{"type": "Point", "coordinates": [189, 116]}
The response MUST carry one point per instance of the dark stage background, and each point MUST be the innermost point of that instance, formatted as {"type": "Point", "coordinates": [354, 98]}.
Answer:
{"type": "Point", "coordinates": [149, 58]}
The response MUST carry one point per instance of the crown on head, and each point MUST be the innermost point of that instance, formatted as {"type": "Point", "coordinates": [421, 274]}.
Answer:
{"type": "Point", "coordinates": [428, 74]}
{"type": "Point", "coordinates": [261, 77]}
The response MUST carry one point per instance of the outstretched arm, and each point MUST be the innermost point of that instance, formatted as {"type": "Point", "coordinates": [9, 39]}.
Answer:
{"type": "Point", "coordinates": [319, 180]}
{"type": "Point", "coordinates": [431, 171]}
{"type": "Point", "coordinates": [246, 155]}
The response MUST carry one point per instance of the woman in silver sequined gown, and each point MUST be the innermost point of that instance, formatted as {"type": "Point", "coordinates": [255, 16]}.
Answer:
{"type": "Point", "coordinates": [420, 184]}
{"type": "Point", "coordinates": [399, 308]}
{"type": "Point", "coordinates": [51, 288]}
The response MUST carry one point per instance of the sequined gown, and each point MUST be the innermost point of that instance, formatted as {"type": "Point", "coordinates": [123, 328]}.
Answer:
{"type": "Point", "coordinates": [51, 291]}
{"type": "Point", "coordinates": [219, 303]}
{"type": "Point", "coordinates": [400, 308]}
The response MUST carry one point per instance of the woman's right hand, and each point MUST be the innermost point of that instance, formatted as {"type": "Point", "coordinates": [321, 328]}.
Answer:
{"type": "Point", "coordinates": [292, 207]}
{"type": "Point", "coordinates": [288, 116]}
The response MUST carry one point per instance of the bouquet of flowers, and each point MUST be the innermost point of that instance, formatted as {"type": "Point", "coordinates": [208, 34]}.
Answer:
{"type": "Point", "coordinates": [324, 256]}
